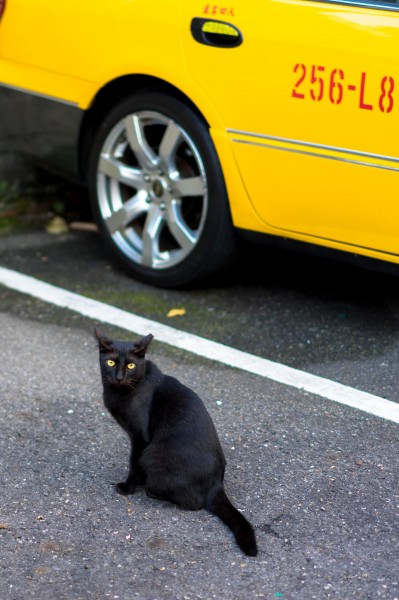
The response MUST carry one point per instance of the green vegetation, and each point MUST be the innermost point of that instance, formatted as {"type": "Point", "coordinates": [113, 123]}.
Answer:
{"type": "Point", "coordinates": [30, 206]}
{"type": "Point", "coordinates": [25, 206]}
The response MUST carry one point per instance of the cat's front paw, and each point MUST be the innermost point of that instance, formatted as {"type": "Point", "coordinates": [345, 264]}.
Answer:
{"type": "Point", "coordinates": [125, 488]}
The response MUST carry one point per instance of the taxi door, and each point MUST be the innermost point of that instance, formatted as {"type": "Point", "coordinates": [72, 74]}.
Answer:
{"type": "Point", "coordinates": [308, 94]}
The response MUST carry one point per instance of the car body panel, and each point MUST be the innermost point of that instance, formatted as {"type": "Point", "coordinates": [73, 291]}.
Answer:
{"type": "Point", "coordinates": [290, 135]}
{"type": "Point", "coordinates": [302, 112]}
{"type": "Point", "coordinates": [92, 44]}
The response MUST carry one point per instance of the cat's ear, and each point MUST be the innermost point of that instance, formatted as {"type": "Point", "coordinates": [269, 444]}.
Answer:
{"type": "Point", "coordinates": [104, 343]}
{"type": "Point", "coordinates": [141, 346]}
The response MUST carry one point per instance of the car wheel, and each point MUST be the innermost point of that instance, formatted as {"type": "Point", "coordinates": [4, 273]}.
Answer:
{"type": "Point", "coordinates": [158, 193]}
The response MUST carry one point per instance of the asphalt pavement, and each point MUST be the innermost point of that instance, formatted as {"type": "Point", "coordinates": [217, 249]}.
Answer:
{"type": "Point", "coordinates": [318, 480]}
{"type": "Point", "coordinates": [325, 318]}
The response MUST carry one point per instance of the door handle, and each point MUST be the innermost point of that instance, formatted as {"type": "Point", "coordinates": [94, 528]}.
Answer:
{"type": "Point", "coordinates": [215, 33]}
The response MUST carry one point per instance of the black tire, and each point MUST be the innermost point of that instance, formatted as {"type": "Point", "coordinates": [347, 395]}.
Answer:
{"type": "Point", "coordinates": [157, 191]}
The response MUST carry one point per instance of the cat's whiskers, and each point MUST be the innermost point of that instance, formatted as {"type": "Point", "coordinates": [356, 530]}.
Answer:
{"type": "Point", "coordinates": [128, 383]}
{"type": "Point", "coordinates": [132, 384]}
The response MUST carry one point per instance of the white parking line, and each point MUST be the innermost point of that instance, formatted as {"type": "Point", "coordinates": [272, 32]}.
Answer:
{"type": "Point", "coordinates": [200, 346]}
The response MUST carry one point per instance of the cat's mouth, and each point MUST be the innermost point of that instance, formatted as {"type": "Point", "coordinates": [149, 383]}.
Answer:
{"type": "Point", "coordinates": [127, 383]}
{"type": "Point", "coordinates": [118, 383]}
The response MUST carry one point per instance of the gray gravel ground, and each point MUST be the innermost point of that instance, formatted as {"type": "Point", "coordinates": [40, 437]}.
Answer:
{"type": "Point", "coordinates": [319, 482]}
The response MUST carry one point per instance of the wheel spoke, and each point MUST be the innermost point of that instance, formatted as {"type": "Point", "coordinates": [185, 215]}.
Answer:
{"type": "Point", "coordinates": [151, 233]}
{"type": "Point", "coordinates": [189, 186]}
{"type": "Point", "coordinates": [135, 134]}
{"type": "Point", "coordinates": [169, 144]}
{"type": "Point", "coordinates": [152, 190]}
{"type": "Point", "coordinates": [184, 236]}
{"type": "Point", "coordinates": [132, 209]}
{"type": "Point", "coordinates": [120, 172]}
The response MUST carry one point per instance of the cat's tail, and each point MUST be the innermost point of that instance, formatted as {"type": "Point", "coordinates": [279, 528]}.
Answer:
{"type": "Point", "coordinates": [219, 504]}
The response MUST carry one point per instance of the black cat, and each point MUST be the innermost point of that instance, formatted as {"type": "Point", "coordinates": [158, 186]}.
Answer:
{"type": "Point", "coordinates": [175, 450]}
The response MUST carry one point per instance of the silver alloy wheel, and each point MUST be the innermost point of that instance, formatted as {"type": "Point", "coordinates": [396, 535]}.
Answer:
{"type": "Point", "coordinates": [152, 189]}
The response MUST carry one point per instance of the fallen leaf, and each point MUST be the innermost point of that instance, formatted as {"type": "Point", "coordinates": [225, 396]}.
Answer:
{"type": "Point", "coordinates": [176, 312]}
{"type": "Point", "coordinates": [57, 226]}
{"type": "Point", "coordinates": [3, 526]}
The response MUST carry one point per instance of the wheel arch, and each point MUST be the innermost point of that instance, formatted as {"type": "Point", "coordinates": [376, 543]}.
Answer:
{"type": "Point", "coordinates": [108, 96]}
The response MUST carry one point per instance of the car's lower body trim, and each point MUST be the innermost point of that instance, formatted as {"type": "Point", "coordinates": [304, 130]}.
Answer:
{"type": "Point", "coordinates": [317, 150]}
{"type": "Point", "coordinates": [37, 94]}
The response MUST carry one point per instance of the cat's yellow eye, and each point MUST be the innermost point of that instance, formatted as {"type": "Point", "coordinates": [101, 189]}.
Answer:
{"type": "Point", "coordinates": [111, 363]}
{"type": "Point", "coordinates": [131, 366]}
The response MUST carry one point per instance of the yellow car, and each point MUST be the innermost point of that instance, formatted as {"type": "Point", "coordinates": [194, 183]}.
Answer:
{"type": "Point", "coordinates": [193, 121]}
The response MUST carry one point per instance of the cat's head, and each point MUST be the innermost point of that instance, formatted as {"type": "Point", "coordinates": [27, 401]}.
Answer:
{"type": "Point", "coordinates": [122, 363]}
